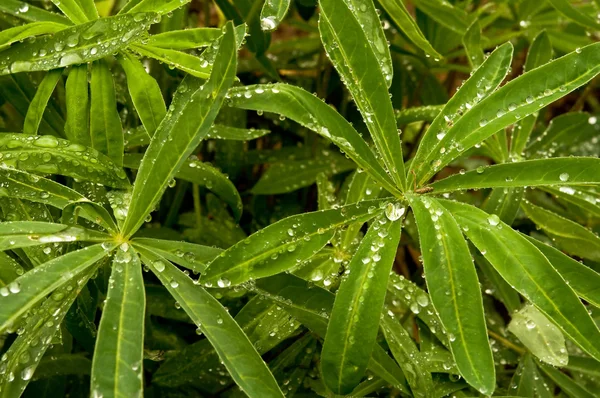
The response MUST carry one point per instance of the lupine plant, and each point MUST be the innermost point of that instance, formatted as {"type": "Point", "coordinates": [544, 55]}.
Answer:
{"type": "Point", "coordinates": [342, 198]}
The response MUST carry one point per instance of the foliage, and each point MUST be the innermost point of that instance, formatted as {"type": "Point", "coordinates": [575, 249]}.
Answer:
{"type": "Point", "coordinates": [182, 217]}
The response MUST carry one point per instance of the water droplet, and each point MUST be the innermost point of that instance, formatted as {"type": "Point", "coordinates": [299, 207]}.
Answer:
{"type": "Point", "coordinates": [268, 23]}
{"type": "Point", "coordinates": [224, 282]}
{"type": "Point", "coordinates": [564, 177]}
{"type": "Point", "coordinates": [394, 211]}
{"type": "Point", "coordinates": [159, 265]}
{"type": "Point", "coordinates": [493, 220]}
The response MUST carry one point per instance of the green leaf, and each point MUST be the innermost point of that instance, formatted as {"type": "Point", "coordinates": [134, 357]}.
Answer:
{"type": "Point", "coordinates": [304, 108]}
{"type": "Point", "coordinates": [27, 12]}
{"type": "Point", "coordinates": [569, 386]}
{"type": "Point", "coordinates": [145, 93]}
{"type": "Point", "coordinates": [185, 254]}
{"type": "Point", "coordinates": [445, 14]}
{"type": "Point", "coordinates": [539, 335]}
{"type": "Point", "coordinates": [585, 199]}
{"type": "Point", "coordinates": [472, 43]}
{"type": "Point", "coordinates": [365, 77]}
{"type": "Point", "coordinates": [532, 173]}
{"type": "Point", "coordinates": [41, 153]}
{"type": "Point", "coordinates": [77, 127]}
{"type": "Point", "coordinates": [185, 39]}
{"type": "Point", "coordinates": [354, 320]}
{"type": "Point", "coordinates": [407, 354]}
{"type": "Point", "coordinates": [540, 52]}
{"type": "Point", "coordinates": [489, 75]}
{"type": "Point", "coordinates": [15, 234]}
{"type": "Point", "coordinates": [504, 202]}
{"type": "Point", "coordinates": [235, 350]}
{"type": "Point", "coordinates": [311, 305]}
{"type": "Point", "coordinates": [295, 174]}
{"type": "Point", "coordinates": [35, 112]}
{"type": "Point", "coordinates": [158, 6]}
{"type": "Point", "coordinates": [568, 10]}
{"type": "Point", "coordinates": [454, 288]}
{"type": "Point", "coordinates": [522, 383]}
{"type": "Point", "coordinates": [582, 279]}
{"type": "Point", "coordinates": [563, 132]}
{"type": "Point", "coordinates": [73, 10]}
{"type": "Point", "coordinates": [76, 45]}
{"type": "Point", "coordinates": [221, 132]}
{"type": "Point", "coordinates": [515, 100]}
{"type": "Point", "coordinates": [272, 13]}
{"type": "Point", "coordinates": [525, 268]}
{"type": "Point", "coordinates": [584, 365]}
{"type": "Point", "coordinates": [106, 132]}
{"type": "Point", "coordinates": [10, 269]}
{"type": "Point", "coordinates": [117, 363]}
{"type": "Point", "coordinates": [18, 33]}
{"type": "Point", "coordinates": [195, 66]}
{"type": "Point", "coordinates": [420, 113]}
{"type": "Point", "coordinates": [27, 351]}
{"type": "Point", "coordinates": [179, 133]}
{"type": "Point", "coordinates": [568, 235]}
{"type": "Point", "coordinates": [284, 244]}
{"type": "Point", "coordinates": [399, 14]}
{"type": "Point", "coordinates": [25, 291]}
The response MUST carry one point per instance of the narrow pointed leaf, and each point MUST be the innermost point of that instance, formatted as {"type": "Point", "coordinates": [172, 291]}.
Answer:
{"type": "Point", "coordinates": [312, 306]}
{"type": "Point", "coordinates": [40, 154]}
{"type": "Point", "coordinates": [185, 254]}
{"type": "Point", "coordinates": [518, 98]}
{"type": "Point", "coordinates": [18, 33]}
{"type": "Point", "coordinates": [158, 6]}
{"type": "Point", "coordinates": [15, 234]}
{"type": "Point", "coordinates": [36, 284]}
{"type": "Point", "coordinates": [522, 383]}
{"type": "Point", "coordinates": [472, 42]}
{"type": "Point", "coordinates": [117, 363]}
{"type": "Point", "coordinates": [195, 66]}
{"type": "Point", "coordinates": [540, 52]}
{"type": "Point", "coordinates": [568, 235]}
{"type": "Point", "coordinates": [445, 13]}
{"type": "Point", "coordinates": [539, 335]}
{"type": "Point", "coordinates": [540, 172]}
{"type": "Point", "coordinates": [145, 93]}
{"type": "Point", "coordinates": [399, 14]}
{"type": "Point", "coordinates": [92, 40]}
{"type": "Point", "coordinates": [563, 132]}
{"type": "Point", "coordinates": [221, 132]}
{"type": "Point", "coordinates": [242, 361]}
{"type": "Point", "coordinates": [367, 80]}
{"type": "Point", "coordinates": [569, 386]}
{"type": "Point", "coordinates": [179, 133]}
{"type": "Point", "coordinates": [40, 101]}
{"type": "Point", "coordinates": [23, 355]}
{"type": "Point", "coordinates": [77, 128]}
{"type": "Point", "coordinates": [454, 289]}
{"type": "Point", "coordinates": [525, 268]}
{"type": "Point", "coordinates": [354, 320]}
{"type": "Point", "coordinates": [272, 13]}
{"type": "Point", "coordinates": [566, 8]}
{"type": "Point", "coordinates": [582, 279]}
{"type": "Point", "coordinates": [480, 85]}
{"type": "Point", "coordinates": [106, 132]}
{"type": "Point", "coordinates": [185, 39]}
{"type": "Point", "coordinates": [284, 244]}
{"type": "Point", "coordinates": [15, 7]}
{"type": "Point", "coordinates": [407, 354]}
{"type": "Point", "coordinates": [304, 108]}
{"type": "Point", "coordinates": [72, 10]}
{"type": "Point", "coordinates": [426, 113]}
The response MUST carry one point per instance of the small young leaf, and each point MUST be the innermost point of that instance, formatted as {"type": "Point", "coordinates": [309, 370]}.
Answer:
{"type": "Point", "coordinates": [40, 101]}
{"type": "Point", "coordinates": [539, 335]}
{"type": "Point", "coordinates": [472, 42]}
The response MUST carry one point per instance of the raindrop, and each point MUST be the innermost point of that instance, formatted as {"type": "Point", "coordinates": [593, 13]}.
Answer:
{"type": "Point", "coordinates": [564, 177]}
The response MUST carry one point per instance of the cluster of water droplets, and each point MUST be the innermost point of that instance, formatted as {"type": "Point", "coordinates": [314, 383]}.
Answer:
{"type": "Point", "coordinates": [83, 43]}
{"type": "Point", "coordinates": [119, 202]}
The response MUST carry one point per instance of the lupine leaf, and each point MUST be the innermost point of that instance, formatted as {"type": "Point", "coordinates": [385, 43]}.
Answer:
{"type": "Point", "coordinates": [185, 133]}
{"type": "Point", "coordinates": [472, 43]}
{"type": "Point", "coordinates": [27, 12]}
{"type": "Point", "coordinates": [117, 363]}
{"type": "Point", "coordinates": [302, 107]}
{"type": "Point", "coordinates": [272, 13]}
{"type": "Point", "coordinates": [15, 234]}
{"type": "Point", "coordinates": [145, 93]}
{"type": "Point", "coordinates": [354, 320]}
{"type": "Point", "coordinates": [40, 154]}
{"type": "Point", "coordinates": [568, 10]}
{"type": "Point", "coordinates": [242, 361]}
{"type": "Point", "coordinates": [284, 244]}
{"type": "Point", "coordinates": [525, 268]}
{"type": "Point", "coordinates": [365, 78]}
{"type": "Point", "coordinates": [40, 101]}
{"type": "Point", "coordinates": [189, 255]}
{"type": "Point", "coordinates": [554, 172]}
{"type": "Point", "coordinates": [18, 33]}
{"type": "Point", "coordinates": [28, 289]}
{"type": "Point", "coordinates": [77, 127]}
{"type": "Point", "coordinates": [449, 269]}
{"type": "Point", "coordinates": [92, 41]}
{"type": "Point", "coordinates": [106, 132]}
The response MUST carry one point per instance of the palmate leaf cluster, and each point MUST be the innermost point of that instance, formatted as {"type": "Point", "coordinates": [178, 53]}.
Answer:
{"type": "Point", "coordinates": [299, 198]}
